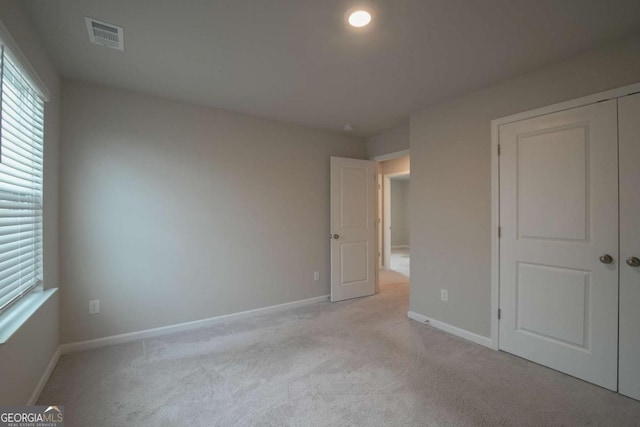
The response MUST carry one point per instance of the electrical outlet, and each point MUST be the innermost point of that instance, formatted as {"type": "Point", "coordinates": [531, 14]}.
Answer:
{"type": "Point", "coordinates": [94, 306]}
{"type": "Point", "coordinates": [316, 275]}
{"type": "Point", "coordinates": [444, 295]}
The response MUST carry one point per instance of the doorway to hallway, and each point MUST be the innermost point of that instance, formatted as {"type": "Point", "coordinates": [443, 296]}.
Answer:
{"type": "Point", "coordinates": [398, 221]}
{"type": "Point", "coordinates": [393, 211]}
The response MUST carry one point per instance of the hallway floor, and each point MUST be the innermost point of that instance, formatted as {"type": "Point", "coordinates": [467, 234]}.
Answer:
{"type": "Point", "coordinates": [400, 260]}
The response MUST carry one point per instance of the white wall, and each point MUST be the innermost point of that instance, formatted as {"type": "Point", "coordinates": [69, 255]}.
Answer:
{"type": "Point", "coordinates": [451, 178]}
{"type": "Point", "coordinates": [399, 212]}
{"type": "Point", "coordinates": [391, 141]}
{"type": "Point", "coordinates": [25, 356]}
{"type": "Point", "coordinates": [173, 212]}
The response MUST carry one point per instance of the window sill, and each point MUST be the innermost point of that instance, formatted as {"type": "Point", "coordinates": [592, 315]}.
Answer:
{"type": "Point", "coordinates": [16, 316]}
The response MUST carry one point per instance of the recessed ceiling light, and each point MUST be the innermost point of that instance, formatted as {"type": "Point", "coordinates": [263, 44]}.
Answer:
{"type": "Point", "coordinates": [348, 128]}
{"type": "Point", "coordinates": [359, 18]}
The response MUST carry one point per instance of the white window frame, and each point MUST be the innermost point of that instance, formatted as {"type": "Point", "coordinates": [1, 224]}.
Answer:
{"type": "Point", "coordinates": [16, 54]}
{"type": "Point", "coordinates": [15, 316]}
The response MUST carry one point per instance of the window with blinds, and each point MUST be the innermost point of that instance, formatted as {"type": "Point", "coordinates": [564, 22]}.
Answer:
{"type": "Point", "coordinates": [21, 162]}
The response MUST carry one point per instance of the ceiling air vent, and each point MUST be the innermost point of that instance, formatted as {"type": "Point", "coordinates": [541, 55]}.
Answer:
{"type": "Point", "coordinates": [104, 34]}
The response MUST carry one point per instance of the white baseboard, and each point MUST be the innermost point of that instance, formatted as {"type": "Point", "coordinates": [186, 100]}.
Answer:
{"type": "Point", "coordinates": [187, 326]}
{"type": "Point", "coordinates": [401, 247]}
{"type": "Point", "coordinates": [45, 377]}
{"type": "Point", "coordinates": [454, 330]}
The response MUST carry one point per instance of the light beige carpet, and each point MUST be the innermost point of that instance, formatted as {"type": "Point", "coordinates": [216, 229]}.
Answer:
{"type": "Point", "coordinates": [354, 363]}
{"type": "Point", "coordinates": [390, 277]}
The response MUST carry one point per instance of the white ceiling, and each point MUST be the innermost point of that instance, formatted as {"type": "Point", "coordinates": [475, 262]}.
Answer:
{"type": "Point", "coordinates": [296, 60]}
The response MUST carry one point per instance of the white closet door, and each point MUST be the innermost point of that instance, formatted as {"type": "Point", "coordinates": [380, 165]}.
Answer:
{"type": "Point", "coordinates": [559, 216]}
{"type": "Point", "coordinates": [629, 122]}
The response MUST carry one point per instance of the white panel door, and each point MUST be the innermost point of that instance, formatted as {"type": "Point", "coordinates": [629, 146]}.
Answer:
{"type": "Point", "coordinates": [558, 216]}
{"type": "Point", "coordinates": [353, 228]}
{"type": "Point", "coordinates": [629, 128]}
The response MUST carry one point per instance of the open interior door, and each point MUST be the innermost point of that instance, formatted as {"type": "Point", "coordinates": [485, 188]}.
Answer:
{"type": "Point", "coordinates": [353, 228]}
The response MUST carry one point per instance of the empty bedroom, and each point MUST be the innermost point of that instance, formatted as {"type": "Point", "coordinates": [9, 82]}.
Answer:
{"type": "Point", "coordinates": [305, 213]}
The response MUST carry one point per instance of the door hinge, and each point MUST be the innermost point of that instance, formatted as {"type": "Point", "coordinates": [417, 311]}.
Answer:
{"type": "Point", "coordinates": [499, 314]}
{"type": "Point", "coordinates": [499, 150]}
{"type": "Point", "coordinates": [499, 232]}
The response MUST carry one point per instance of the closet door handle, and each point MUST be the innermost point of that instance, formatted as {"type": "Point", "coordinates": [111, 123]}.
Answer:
{"type": "Point", "coordinates": [606, 259]}
{"type": "Point", "coordinates": [633, 261]}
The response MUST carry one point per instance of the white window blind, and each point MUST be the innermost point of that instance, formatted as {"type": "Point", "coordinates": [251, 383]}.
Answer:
{"type": "Point", "coordinates": [21, 165]}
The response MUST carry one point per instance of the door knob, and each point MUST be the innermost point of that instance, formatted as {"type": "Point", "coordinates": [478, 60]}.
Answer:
{"type": "Point", "coordinates": [606, 259]}
{"type": "Point", "coordinates": [336, 236]}
{"type": "Point", "coordinates": [633, 261]}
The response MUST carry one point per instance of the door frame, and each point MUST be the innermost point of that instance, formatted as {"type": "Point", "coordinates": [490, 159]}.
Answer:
{"type": "Point", "coordinates": [495, 183]}
{"type": "Point", "coordinates": [380, 240]}
{"type": "Point", "coordinates": [379, 216]}
{"type": "Point", "coordinates": [391, 156]}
